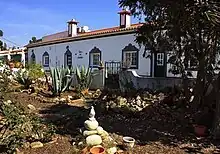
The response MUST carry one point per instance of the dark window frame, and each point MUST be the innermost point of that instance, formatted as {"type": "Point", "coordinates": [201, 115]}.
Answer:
{"type": "Point", "coordinates": [68, 58]}
{"type": "Point", "coordinates": [95, 50]}
{"type": "Point", "coordinates": [33, 57]}
{"type": "Point", "coordinates": [130, 49]}
{"type": "Point", "coordinates": [46, 63]}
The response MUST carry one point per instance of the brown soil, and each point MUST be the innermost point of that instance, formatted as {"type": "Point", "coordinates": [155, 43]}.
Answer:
{"type": "Point", "coordinates": [157, 130]}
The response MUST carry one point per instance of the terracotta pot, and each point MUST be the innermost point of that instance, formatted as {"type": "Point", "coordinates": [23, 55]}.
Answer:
{"type": "Point", "coordinates": [200, 130]}
{"type": "Point", "coordinates": [97, 150]}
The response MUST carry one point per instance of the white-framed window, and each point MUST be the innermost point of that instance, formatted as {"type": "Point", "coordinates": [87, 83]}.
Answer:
{"type": "Point", "coordinates": [95, 57]}
{"type": "Point", "coordinates": [46, 59]}
{"type": "Point", "coordinates": [160, 59]}
{"type": "Point", "coordinates": [130, 58]}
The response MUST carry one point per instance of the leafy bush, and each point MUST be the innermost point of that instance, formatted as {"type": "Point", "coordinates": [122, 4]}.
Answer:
{"type": "Point", "coordinates": [35, 71]}
{"type": "Point", "coordinates": [18, 127]}
{"type": "Point", "coordinates": [29, 74]}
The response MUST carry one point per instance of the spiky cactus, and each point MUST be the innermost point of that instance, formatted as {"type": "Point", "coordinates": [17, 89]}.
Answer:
{"type": "Point", "coordinates": [61, 79]}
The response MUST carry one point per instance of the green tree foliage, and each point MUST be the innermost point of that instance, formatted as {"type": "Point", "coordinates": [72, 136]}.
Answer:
{"type": "Point", "coordinates": [33, 40]}
{"type": "Point", "coordinates": [186, 27]}
{"type": "Point", "coordinates": [1, 33]}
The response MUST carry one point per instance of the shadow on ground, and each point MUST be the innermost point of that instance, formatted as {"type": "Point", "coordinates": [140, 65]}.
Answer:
{"type": "Point", "coordinates": [156, 123]}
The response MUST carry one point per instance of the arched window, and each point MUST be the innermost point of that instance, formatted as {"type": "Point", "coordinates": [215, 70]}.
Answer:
{"type": "Point", "coordinates": [46, 59]}
{"type": "Point", "coordinates": [68, 58]}
{"type": "Point", "coordinates": [33, 57]}
{"type": "Point", "coordinates": [95, 57]}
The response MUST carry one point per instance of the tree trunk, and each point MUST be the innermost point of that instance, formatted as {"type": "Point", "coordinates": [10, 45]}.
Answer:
{"type": "Point", "coordinates": [216, 125]}
{"type": "Point", "coordinates": [200, 85]}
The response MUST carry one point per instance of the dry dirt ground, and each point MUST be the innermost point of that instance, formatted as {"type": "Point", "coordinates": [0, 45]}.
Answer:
{"type": "Point", "coordinates": [157, 130]}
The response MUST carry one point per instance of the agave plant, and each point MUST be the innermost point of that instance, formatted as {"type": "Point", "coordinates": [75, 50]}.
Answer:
{"type": "Point", "coordinates": [84, 77]}
{"type": "Point", "coordinates": [61, 79]}
{"type": "Point", "coordinates": [22, 77]}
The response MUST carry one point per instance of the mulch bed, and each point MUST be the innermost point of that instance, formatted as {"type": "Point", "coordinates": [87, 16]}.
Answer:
{"type": "Point", "coordinates": [157, 130]}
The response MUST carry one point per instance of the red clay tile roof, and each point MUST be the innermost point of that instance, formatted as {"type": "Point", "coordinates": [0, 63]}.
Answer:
{"type": "Point", "coordinates": [63, 36]}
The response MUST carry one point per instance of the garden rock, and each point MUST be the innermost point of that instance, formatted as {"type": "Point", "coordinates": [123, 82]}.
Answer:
{"type": "Point", "coordinates": [88, 133]}
{"type": "Point", "coordinates": [100, 130]}
{"type": "Point", "coordinates": [112, 150]}
{"type": "Point", "coordinates": [63, 100]}
{"type": "Point", "coordinates": [31, 107]}
{"type": "Point", "coordinates": [91, 124]}
{"type": "Point", "coordinates": [121, 101]}
{"type": "Point", "coordinates": [93, 140]}
{"type": "Point", "coordinates": [36, 145]}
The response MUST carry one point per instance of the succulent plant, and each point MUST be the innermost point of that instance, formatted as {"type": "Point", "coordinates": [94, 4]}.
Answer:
{"type": "Point", "coordinates": [22, 77]}
{"type": "Point", "coordinates": [61, 79]}
{"type": "Point", "coordinates": [84, 77]}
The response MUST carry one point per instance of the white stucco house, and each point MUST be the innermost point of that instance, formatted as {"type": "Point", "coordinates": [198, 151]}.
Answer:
{"type": "Point", "coordinates": [113, 46]}
{"type": "Point", "coordinates": [17, 54]}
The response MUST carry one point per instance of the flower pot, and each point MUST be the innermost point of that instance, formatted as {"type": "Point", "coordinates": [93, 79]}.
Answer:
{"type": "Point", "coordinates": [128, 142]}
{"type": "Point", "coordinates": [85, 92]}
{"type": "Point", "coordinates": [200, 130]}
{"type": "Point", "coordinates": [97, 150]}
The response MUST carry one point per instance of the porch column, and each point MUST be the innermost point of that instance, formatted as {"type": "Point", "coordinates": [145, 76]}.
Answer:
{"type": "Point", "coordinates": [23, 58]}
{"type": "Point", "coordinates": [9, 56]}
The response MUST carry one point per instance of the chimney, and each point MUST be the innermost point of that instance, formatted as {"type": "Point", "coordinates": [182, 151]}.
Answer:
{"type": "Point", "coordinates": [125, 18]}
{"type": "Point", "coordinates": [72, 28]}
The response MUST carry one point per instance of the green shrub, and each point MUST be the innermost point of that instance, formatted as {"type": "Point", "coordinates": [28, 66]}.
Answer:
{"type": "Point", "coordinates": [18, 127]}
{"type": "Point", "coordinates": [35, 71]}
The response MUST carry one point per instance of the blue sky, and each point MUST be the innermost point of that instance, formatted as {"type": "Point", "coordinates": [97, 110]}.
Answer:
{"type": "Point", "coordinates": [22, 19]}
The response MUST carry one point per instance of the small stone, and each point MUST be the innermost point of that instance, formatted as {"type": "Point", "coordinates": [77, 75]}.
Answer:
{"type": "Point", "coordinates": [91, 124]}
{"type": "Point", "coordinates": [121, 101]}
{"type": "Point", "coordinates": [105, 135]}
{"type": "Point", "coordinates": [63, 100]}
{"type": "Point", "coordinates": [31, 107]}
{"type": "Point", "coordinates": [70, 97]}
{"type": "Point", "coordinates": [56, 100]}
{"type": "Point", "coordinates": [73, 143]}
{"type": "Point", "coordinates": [36, 145]}
{"type": "Point", "coordinates": [8, 102]}
{"type": "Point", "coordinates": [80, 143]}
{"type": "Point", "coordinates": [88, 133]}
{"type": "Point", "coordinates": [100, 130]}
{"type": "Point", "coordinates": [18, 151]}
{"type": "Point", "coordinates": [138, 102]}
{"type": "Point", "coordinates": [93, 140]}
{"type": "Point", "coordinates": [112, 104]}
{"type": "Point", "coordinates": [26, 145]}
{"type": "Point", "coordinates": [138, 98]}
{"type": "Point", "coordinates": [112, 150]}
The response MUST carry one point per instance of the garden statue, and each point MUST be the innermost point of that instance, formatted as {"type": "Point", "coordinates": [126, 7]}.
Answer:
{"type": "Point", "coordinates": [95, 134]}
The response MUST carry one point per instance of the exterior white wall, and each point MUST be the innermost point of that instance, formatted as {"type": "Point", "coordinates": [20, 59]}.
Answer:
{"type": "Point", "coordinates": [111, 48]}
